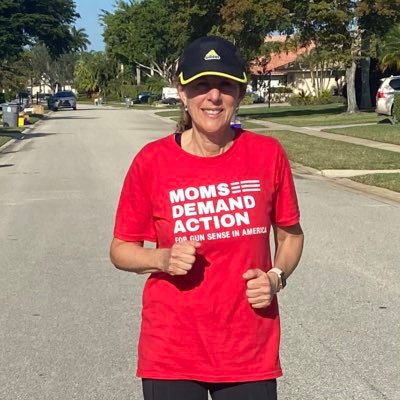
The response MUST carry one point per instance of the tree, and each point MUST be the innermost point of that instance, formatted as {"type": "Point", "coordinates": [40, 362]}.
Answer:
{"type": "Point", "coordinates": [346, 26]}
{"type": "Point", "coordinates": [391, 49]}
{"type": "Point", "coordinates": [25, 22]}
{"type": "Point", "coordinates": [80, 40]}
{"type": "Point", "coordinates": [152, 33]}
{"type": "Point", "coordinates": [261, 16]}
{"type": "Point", "coordinates": [331, 25]}
{"type": "Point", "coordinates": [95, 72]}
{"type": "Point", "coordinates": [375, 18]}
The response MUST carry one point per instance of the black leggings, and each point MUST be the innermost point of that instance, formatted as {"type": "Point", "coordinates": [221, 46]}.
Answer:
{"type": "Point", "coordinates": [157, 389]}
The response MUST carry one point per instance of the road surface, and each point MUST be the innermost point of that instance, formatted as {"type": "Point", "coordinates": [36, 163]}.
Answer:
{"type": "Point", "coordinates": [69, 321]}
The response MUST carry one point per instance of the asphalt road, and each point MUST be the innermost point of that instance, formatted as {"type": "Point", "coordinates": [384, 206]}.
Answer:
{"type": "Point", "coordinates": [69, 320]}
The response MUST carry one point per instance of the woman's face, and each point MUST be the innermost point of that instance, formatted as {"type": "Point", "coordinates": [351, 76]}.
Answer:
{"type": "Point", "coordinates": [211, 102]}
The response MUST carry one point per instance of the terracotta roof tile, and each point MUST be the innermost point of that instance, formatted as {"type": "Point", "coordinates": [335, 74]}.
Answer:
{"type": "Point", "coordinates": [278, 60]}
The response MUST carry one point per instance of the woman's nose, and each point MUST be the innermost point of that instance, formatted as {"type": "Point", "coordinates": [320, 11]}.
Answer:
{"type": "Point", "coordinates": [214, 94]}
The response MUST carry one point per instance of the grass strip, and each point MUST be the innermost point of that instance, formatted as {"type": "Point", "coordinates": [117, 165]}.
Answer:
{"type": "Point", "coordinates": [172, 113]}
{"type": "Point", "coordinates": [387, 181]}
{"type": "Point", "coordinates": [323, 153]}
{"type": "Point", "coordinates": [322, 115]}
{"type": "Point", "coordinates": [7, 134]}
{"type": "Point", "coordinates": [327, 120]}
{"type": "Point", "coordinates": [380, 133]}
{"type": "Point", "coordinates": [4, 139]}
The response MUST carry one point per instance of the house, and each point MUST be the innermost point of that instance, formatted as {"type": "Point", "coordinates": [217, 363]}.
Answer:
{"type": "Point", "coordinates": [287, 69]}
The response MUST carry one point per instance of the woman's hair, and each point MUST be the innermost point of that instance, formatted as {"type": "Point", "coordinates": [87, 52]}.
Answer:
{"type": "Point", "coordinates": [185, 120]}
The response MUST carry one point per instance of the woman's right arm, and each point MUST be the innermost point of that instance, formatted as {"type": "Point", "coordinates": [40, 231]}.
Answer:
{"type": "Point", "coordinates": [133, 257]}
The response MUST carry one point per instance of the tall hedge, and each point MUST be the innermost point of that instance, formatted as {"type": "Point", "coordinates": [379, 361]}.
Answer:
{"type": "Point", "coordinates": [396, 107]}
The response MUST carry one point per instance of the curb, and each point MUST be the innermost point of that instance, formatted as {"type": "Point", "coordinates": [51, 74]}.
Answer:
{"type": "Point", "coordinates": [375, 191]}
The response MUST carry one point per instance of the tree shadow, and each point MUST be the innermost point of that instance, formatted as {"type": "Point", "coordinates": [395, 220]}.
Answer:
{"type": "Point", "coordinates": [23, 136]}
{"type": "Point", "coordinates": [69, 117]}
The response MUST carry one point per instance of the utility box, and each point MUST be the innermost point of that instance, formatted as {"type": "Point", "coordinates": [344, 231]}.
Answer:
{"type": "Point", "coordinates": [10, 115]}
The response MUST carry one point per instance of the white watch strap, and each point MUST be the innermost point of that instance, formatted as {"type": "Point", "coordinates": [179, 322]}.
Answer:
{"type": "Point", "coordinates": [278, 272]}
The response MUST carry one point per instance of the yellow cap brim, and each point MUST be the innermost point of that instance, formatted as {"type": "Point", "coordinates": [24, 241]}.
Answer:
{"type": "Point", "coordinates": [184, 81]}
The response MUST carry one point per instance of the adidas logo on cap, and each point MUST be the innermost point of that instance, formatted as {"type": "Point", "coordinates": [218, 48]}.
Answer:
{"type": "Point", "coordinates": [212, 55]}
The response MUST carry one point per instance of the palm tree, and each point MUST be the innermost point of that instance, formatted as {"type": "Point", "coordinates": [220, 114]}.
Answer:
{"type": "Point", "coordinates": [391, 49]}
{"type": "Point", "coordinates": [80, 39]}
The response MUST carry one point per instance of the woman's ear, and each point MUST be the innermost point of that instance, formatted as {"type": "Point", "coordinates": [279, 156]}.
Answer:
{"type": "Point", "coordinates": [182, 94]}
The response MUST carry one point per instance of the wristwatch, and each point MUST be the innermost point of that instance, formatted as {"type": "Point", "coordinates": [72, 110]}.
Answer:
{"type": "Point", "coordinates": [281, 276]}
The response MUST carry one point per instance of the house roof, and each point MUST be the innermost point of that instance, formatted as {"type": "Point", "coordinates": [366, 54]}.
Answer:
{"type": "Point", "coordinates": [278, 61]}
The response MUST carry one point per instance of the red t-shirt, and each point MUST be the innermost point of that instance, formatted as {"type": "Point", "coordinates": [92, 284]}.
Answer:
{"type": "Point", "coordinates": [201, 326]}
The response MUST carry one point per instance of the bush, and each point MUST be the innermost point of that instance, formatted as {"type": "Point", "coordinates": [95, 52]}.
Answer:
{"type": "Point", "coordinates": [396, 107]}
{"type": "Point", "coordinates": [326, 97]}
{"type": "Point", "coordinates": [280, 89]}
{"type": "Point", "coordinates": [247, 99]}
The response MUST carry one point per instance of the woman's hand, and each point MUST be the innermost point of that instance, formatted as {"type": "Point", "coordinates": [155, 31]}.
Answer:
{"type": "Point", "coordinates": [182, 257]}
{"type": "Point", "coordinates": [261, 287]}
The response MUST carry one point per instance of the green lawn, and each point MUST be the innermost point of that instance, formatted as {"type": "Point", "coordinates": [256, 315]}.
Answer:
{"type": "Point", "coordinates": [169, 113]}
{"type": "Point", "coordinates": [323, 115]}
{"type": "Point", "coordinates": [387, 181]}
{"type": "Point", "coordinates": [322, 153]}
{"type": "Point", "coordinates": [386, 133]}
{"type": "Point", "coordinates": [3, 139]}
{"type": "Point", "coordinates": [7, 134]}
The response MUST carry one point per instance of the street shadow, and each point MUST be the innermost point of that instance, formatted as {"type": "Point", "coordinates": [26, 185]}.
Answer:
{"type": "Point", "coordinates": [59, 117]}
{"type": "Point", "coordinates": [23, 136]}
{"type": "Point", "coordinates": [106, 108]}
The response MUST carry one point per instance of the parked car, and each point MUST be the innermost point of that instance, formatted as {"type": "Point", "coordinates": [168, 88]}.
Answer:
{"type": "Point", "coordinates": [63, 99]}
{"type": "Point", "coordinates": [146, 97]}
{"type": "Point", "coordinates": [170, 96]}
{"type": "Point", "coordinates": [385, 95]}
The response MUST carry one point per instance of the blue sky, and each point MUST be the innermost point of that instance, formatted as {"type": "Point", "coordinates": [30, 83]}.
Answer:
{"type": "Point", "coordinates": [89, 11]}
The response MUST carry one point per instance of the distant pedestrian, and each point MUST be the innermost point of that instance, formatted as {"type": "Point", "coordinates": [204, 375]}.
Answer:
{"type": "Point", "coordinates": [209, 195]}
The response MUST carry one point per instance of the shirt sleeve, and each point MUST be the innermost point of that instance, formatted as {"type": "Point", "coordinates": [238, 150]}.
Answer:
{"type": "Point", "coordinates": [134, 218]}
{"type": "Point", "coordinates": [285, 211]}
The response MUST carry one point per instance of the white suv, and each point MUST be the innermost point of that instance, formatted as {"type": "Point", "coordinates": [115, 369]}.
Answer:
{"type": "Point", "coordinates": [385, 95]}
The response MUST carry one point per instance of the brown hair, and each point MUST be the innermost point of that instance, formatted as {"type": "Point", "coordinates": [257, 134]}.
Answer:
{"type": "Point", "coordinates": [185, 120]}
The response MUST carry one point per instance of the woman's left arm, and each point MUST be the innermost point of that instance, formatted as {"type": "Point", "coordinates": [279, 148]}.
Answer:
{"type": "Point", "coordinates": [288, 247]}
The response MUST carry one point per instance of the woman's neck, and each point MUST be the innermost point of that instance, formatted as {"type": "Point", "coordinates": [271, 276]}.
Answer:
{"type": "Point", "coordinates": [207, 145]}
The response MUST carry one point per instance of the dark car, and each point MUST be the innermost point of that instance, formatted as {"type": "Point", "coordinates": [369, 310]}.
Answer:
{"type": "Point", "coordinates": [63, 99]}
{"type": "Point", "coordinates": [146, 97]}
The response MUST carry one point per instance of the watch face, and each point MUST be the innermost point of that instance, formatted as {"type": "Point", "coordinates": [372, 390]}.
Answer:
{"type": "Point", "coordinates": [283, 279]}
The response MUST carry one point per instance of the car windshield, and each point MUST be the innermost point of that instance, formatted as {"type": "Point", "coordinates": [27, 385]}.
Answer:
{"type": "Point", "coordinates": [65, 94]}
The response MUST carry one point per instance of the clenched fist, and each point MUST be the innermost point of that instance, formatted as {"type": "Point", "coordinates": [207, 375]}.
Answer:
{"type": "Point", "coordinates": [182, 257]}
{"type": "Point", "coordinates": [261, 287]}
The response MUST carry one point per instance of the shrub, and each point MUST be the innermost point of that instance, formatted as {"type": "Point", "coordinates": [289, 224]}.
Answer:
{"type": "Point", "coordinates": [247, 99]}
{"type": "Point", "coordinates": [396, 107]}
{"type": "Point", "coordinates": [280, 89]}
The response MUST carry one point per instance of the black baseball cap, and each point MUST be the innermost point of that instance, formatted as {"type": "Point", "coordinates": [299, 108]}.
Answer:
{"type": "Point", "coordinates": [211, 55]}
